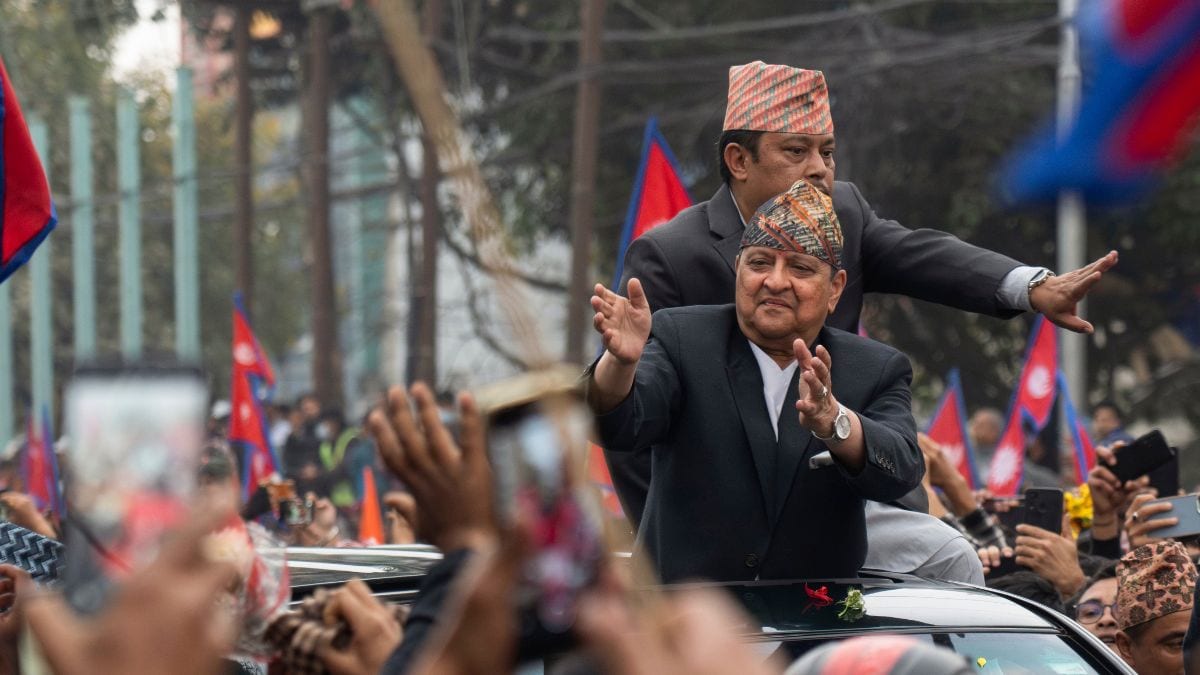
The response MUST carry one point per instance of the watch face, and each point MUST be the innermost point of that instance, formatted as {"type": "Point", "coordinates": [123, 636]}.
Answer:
{"type": "Point", "coordinates": [841, 426]}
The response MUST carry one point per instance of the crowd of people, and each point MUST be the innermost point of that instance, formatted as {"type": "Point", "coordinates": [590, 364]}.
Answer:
{"type": "Point", "coordinates": [751, 436]}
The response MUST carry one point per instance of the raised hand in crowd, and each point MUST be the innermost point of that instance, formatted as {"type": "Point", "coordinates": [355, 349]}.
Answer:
{"type": "Point", "coordinates": [992, 556]}
{"type": "Point", "coordinates": [161, 620]}
{"type": "Point", "coordinates": [1058, 297]}
{"type": "Point", "coordinates": [401, 517]}
{"type": "Point", "coordinates": [1141, 520]}
{"type": "Point", "coordinates": [324, 529]}
{"type": "Point", "coordinates": [23, 512]}
{"type": "Point", "coordinates": [375, 632]}
{"type": "Point", "coordinates": [482, 605]}
{"type": "Point", "coordinates": [1052, 557]}
{"type": "Point", "coordinates": [943, 475]}
{"type": "Point", "coordinates": [450, 481]}
{"type": "Point", "coordinates": [1109, 494]}
{"type": "Point", "coordinates": [692, 631]}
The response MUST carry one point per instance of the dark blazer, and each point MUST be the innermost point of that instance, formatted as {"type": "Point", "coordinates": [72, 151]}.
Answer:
{"type": "Point", "coordinates": [689, 261]}
{"type": "Point", "coordinates": [729, 502]}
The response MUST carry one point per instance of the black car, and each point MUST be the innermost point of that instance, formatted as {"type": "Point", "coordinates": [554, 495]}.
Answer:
{"type": "Point", "coordinates": [996, 631]}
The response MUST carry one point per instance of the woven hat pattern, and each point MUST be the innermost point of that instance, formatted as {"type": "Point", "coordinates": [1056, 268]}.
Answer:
{"type": "Point", "coordinates": [1154, 580]}
{"type": "Point", "coordinates": [767, 97]}
{"type": "Point", "coordinates": [801, 220]}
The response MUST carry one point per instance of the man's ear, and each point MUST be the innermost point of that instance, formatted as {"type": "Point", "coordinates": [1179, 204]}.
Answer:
{"type": "Point", "coordinates": [838, 283]}
{"type": "Point", "coordinates": [736, 159]}
{"type": "Point", "coordinates": [1124, 647]}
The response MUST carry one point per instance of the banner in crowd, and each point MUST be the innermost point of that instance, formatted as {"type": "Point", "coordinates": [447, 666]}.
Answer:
{"type": "Point", "coordinates": [1085, 453]}
{"type": "Point", "coordinates": [251, 384]}
{"type": "Point", "coordinates": [949, 428]}
{"type": "Point", "coordinates": [1134, 119]}
{"type": "Point", "coordinates": [658, 194]}
{"type": "Point", "coordinates": [39, 464]}
{"type": "Point", "coordinates": [27, 214]}
{"type": "Point", "coordinates": [1008, 463]}
{"type": "Point", "coordinates": [1032, 403]}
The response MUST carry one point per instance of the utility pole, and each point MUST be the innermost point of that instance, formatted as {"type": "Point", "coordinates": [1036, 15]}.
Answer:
{"type": "Point", "coordinates": [243, 219]}
{"type": "Point", "coordinates": [423, 353]}
{"type": "Point", "coordinates": [1072, 229]}
{"type": "Point", "coordinates": [583, 176]}
{"type": "Point", "coordinates": [327, 379]}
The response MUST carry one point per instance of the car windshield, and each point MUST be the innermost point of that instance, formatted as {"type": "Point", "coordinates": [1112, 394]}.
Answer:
{"type": "Point", "coordinates": [990, 653]}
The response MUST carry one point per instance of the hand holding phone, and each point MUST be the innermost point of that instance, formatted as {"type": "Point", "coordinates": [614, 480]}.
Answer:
{"type": "Point", "coordinates": [1143, 455]}
{"type": "Point", "coordinates": [1185, 510]}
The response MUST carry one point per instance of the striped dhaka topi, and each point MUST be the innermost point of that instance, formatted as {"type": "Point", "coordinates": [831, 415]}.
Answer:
{"type": "Point", "coordinates": [801, 220]}
{"type": "Point", "coordinates": [767, 97]}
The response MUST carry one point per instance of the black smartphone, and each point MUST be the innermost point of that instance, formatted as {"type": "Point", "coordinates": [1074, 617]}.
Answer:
{"type": "Point", "coordinates": [1043, 508]}
{"type": "Point", "coordinates": [1187, 510]}
{"type": "Point", "coordinates": [1145, 454]}
{"type": "Point", "coordinates": [537, 439]}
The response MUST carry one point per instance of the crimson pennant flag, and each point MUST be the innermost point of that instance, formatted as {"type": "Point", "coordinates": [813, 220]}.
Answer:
{"type": "Point", "coordinates": [949, 428]}
{"type": "Point", "coordinates": [1085, 453]}
{"type": "Point", "coordinates": [251, 384]}
{"type": "Point", "coordinates": [39, 466]}
{"type": "Point", "coordinates": [1008, 464]}
{"type": "Point", "coordinates": [1035, 389]}
{"type": "Point", "coordinates": [28, 213]}
{"type": "Point", "coordinates": [658, 192]}
{"type": "Point", "coordinates": [1144, 60]}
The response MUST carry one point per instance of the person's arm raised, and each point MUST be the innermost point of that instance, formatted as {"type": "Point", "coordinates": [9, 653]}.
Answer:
{"type": "Point", "coordinates": [624, 327]}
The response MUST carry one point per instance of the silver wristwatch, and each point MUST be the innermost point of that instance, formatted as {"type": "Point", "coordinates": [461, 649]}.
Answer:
{"type": "Point", "coordinates": [1039, 278]}
{"type": "Point", "coordinates": [841, 427]}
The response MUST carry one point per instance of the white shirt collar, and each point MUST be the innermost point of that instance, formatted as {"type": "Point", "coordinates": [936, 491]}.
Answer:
{"type": "Point", "coordinates": [775, 383]}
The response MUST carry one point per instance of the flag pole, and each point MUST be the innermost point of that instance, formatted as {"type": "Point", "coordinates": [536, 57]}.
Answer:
{"type": "Point", "coordinates": [1072, 230]}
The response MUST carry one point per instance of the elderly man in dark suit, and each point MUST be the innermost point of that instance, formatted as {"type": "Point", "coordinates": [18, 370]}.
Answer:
{"type": "Point", "coordinates": [735, 400]}
{"type": "Point", "coordinates": [778, 129]}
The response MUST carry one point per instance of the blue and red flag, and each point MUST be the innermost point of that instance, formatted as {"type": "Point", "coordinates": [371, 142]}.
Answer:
{"type": "Point", "coordinates": [1008, 463]}
{"type": "Point", "coordinates": [949, 428]}
{"type": "Point", "coordinates": [27, 214]}
{"type": "Point", "coordinates": [658, 194]}
{"type": "Point", "coordinates": [39, 466]}
{"type": "Point", "coordinates": [1085, 453]}
{"type": "Point", "coordinates": [1143, 57]}
{"type": "Point", "coordinates": [1035, 389]}
{"type": "Point", "coordinates": [251, 384]}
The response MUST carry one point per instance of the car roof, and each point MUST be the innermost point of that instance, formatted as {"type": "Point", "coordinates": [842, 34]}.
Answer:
{"type": "Point", "coordinates": [893, 602]}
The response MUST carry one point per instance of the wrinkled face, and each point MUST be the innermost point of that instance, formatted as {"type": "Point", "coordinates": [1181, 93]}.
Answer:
{"type": "Point", "coordinates": [1094, 611]}
{"type": "Point", "coordinates": [1158, 648]}
{"type": "Point", "coordinates": [1104, 422]}
{"type": "Point", "coordinates": [784, 159]}
{"type": "Point", "coordinates": [781, 296]}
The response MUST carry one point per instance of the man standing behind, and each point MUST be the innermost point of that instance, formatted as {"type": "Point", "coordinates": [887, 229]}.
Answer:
{"type": "Point", "coordinates": [715, 394]}
{"type": "Point", "coordinates": [1155, 590]}
{"type": "Point", "coordinates": [778, 129]}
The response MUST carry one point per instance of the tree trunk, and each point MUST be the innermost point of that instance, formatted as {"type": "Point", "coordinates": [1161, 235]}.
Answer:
{"type": "Point", "coordinates": [583, 177]}
{"type": "Point", "coordinates": [326, 363]}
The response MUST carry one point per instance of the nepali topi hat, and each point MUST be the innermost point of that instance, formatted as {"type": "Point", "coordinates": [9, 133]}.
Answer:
{"type": "Point", "coordinates": [1154, 580]}
{"type": "Point", "coordinates": [766, 97]}
{"type": "Point", "coordinates": [801, 220]}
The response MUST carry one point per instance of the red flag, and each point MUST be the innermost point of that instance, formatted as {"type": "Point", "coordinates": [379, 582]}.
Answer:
{"type": "Point", "coordinates": [1035, 389]}
{"type": "Point", "coordinates": [1085, 453]}
{"type": "Point", "coordinates": [658, 192]}
{"type": "Point", "coordinates": [28, 213]}
{"type": "Point", "coordinates": [37, 466]}
{"type": "Point", "coordinates": [250, 385]}
{"type": "Point", "coordinates": [949, 428]}
{"type": "Point", "coordinates": [1008, 464]}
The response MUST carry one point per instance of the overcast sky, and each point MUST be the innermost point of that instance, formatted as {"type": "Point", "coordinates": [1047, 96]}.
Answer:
{"type": "Point", "coordinates": [149, 44]}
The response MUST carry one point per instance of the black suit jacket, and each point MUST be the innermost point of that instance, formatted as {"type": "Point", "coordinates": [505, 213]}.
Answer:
{"type": "Point", "coordinates": [689, 261]}
{"type": "Point", "coordinates": [728, 501]}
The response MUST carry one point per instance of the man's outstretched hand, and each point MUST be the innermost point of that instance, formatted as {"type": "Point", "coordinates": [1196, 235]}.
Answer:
{"type": "Point", "coordinates": [623, 323]}
{"type": "Point", "coordinates": [1058, 297]}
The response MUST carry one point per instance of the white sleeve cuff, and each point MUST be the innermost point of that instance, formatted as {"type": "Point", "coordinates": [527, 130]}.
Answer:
{"type": "Point", "coordinates": [1014, 288]}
